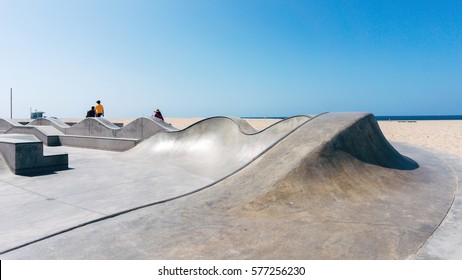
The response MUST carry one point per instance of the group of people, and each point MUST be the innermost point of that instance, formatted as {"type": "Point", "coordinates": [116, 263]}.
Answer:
{"type": "Point", "coordinates": [98, 111]}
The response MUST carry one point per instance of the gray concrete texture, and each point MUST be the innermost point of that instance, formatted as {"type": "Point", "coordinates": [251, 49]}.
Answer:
{"type": "Point", "coordinates": [24, 155]}
{"type": "Point", "coordinates": [93, 133]}
{"type": "Point", "coordinates": [329, 187]}
{"type": "Point", "coordinates": [140, 128]}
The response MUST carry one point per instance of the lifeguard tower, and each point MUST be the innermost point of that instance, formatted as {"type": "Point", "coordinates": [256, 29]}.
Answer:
{"type": "Point", "coordinates": [37, 114]}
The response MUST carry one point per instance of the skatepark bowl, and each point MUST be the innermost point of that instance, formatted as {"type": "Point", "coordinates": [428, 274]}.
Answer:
{"type": "Point", "coordinates": [328, 186]}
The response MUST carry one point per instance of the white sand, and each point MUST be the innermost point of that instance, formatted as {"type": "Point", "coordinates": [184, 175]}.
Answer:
{"type": "Point", "coordinates": [445, 136]}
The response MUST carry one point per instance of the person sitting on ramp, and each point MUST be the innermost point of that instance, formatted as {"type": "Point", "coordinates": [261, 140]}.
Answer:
{"type": "Point", "coordinates": [99, 109]}
{"type": "Point", "coordinates": [91, 113]}
{"type": "Point", "coordinates": [158, 114]}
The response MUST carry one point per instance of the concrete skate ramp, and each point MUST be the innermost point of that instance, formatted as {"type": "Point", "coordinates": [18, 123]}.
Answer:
{"type": "Point", "coordinates": [7, 124]}
{"type": "Point", "coordinates": [93, 127]}
{"type": "Point", "coordinates": [211, 148]}
{"type": "Point", "coordinates": [56, 123]}
{"type": "Point", "coordinates": [142, 128]}
{"type": "Point", "coordinates": [139, 128]}
{"type": "Point", "coordinates": [332, 188]}
{"type": "Point", "coordinates": [246, 128]}
{"type": "Point", "coordinates": [92, 133]}
{"type": "Point", "coordinates": [102, 183]}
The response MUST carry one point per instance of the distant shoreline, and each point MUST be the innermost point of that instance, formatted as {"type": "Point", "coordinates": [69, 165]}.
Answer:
{"type": "Point", "coordinates": [394, 118]}
{"type": "Point", "coordinates": [420, 118]}
{"type": "Point", "coordinates": [379, 118]}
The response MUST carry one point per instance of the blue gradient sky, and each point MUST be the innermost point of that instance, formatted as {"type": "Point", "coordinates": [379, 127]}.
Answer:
{"type": "Point", "coordinates": [230, 57]}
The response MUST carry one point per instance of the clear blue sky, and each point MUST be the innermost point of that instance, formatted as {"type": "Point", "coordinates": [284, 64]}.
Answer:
{"type": "Point", "coordinates": [230, 57]}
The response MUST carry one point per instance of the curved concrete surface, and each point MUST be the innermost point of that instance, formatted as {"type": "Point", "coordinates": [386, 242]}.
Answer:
{"type": "Point", "coordinates": [446, 241]}
{"type": "Point", "coordinates": [328, 188]}
{"type": "Point", "coordinates": [102, 183]}
{"type": "Point", "coordinates": [92, 133]}
{"type": "Point", "coordinates": [211, 148]}
{"type": "Point", "coordinates": [93, 127]}
{"type": "Point", "coordinates": [140, 128]}
{"type": "Point", "coordinates": [56, 123]}
{"type": "Point", "coordinates": [7, 124]}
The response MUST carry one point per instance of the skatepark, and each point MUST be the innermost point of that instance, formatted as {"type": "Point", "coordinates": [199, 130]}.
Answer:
{"type": "Point", "coordinates": [329, 186]}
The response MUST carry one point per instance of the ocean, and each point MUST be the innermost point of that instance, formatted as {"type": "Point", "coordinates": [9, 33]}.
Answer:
{"type": "Point", "coordinates": [419, 118]}
{"type": "Point", "coordinates": [395, 118]}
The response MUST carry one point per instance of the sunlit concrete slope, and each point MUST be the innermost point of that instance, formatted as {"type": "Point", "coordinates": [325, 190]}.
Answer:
{"type": "Point", "coordinates": [332, 188]}
{"type": "Point", "coordinates": [101, 183]}
{"type": "Point", "coordinates": [213, 147]}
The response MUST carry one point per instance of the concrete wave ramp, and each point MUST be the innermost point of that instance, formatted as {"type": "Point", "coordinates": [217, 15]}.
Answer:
{"type": "Point", "coordinates": [90, 133]}
{"type": "Point", "coordinates": [139, 128]}
{"type": "Point", "coordinates": [102, 183]}
{"type": "Point", "coordinates": [211, 148]}
{"type": "Point", "coordinates": [328, 188]}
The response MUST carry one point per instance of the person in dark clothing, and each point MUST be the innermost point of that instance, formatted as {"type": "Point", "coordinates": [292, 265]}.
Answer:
{"type": "Point", "coordinates": [158, 114]}
{"type": "Point", "coordinates": [91, 113]}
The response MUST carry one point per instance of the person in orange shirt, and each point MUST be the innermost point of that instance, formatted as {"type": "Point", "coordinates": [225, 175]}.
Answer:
{"type": "Point", "coordinates": [99, 109]}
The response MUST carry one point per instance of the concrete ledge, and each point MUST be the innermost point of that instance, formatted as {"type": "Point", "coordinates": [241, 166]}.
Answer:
{"type": "Point", "coordinates": [6, 124]}
{"type": "Point", "coordinates": [24, 155]}
{"type": "Point", "coordinates": [100, 143]}
{"type": "Point", "coordinates": [48, 135]}
{"type": "Point", "coordinates": [105, 134]}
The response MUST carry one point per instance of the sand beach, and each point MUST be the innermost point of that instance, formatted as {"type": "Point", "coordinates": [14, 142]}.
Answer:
{"type": "Point", "coordinates": [444, 135]}
{"type": "Point", "coordinates": [258, 124]}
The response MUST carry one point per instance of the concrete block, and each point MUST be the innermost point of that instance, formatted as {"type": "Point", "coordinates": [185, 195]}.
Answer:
{"type": "Point", "coordinates": [24, 155]}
